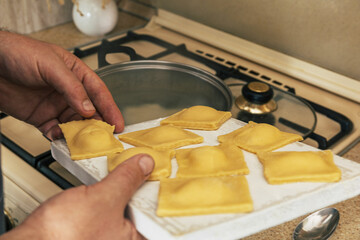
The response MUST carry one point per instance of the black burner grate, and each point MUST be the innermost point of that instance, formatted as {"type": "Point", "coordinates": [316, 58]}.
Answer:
{"type": "Point", "coordinates": [223, 72]}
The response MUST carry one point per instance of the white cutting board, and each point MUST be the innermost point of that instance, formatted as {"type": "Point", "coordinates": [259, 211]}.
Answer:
{"type": "Point", "coordinates": [273, 204]}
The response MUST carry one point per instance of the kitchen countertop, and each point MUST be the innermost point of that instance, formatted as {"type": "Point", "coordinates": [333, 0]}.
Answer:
{"type": "Point", "coordinates": [68, 36]}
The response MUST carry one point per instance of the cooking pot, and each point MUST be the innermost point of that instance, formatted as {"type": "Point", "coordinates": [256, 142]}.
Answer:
{"type": "Point", "coordinates": [149, 89]}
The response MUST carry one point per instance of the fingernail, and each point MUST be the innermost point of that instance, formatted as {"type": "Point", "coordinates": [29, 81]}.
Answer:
{"type": "Point", "coordinates": [146, 164]}
{"type": "Point", "coordinates": [88, 106]}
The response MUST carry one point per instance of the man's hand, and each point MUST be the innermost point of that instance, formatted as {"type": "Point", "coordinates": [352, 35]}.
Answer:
{"type": "Point", "coordinates": [89, 212]}
{"type": "Point", "coordinates": [45, 85]}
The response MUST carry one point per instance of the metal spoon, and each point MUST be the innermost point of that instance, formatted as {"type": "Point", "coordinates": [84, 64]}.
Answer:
{"type": "Point", "coordinates": [318, 226]}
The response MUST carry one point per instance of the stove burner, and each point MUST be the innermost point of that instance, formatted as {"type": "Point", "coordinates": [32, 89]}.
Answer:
{"type": "Point", "coordinates": [256, 99]}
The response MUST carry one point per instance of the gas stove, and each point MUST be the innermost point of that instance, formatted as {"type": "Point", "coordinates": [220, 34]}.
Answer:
{"type": "Point", "coordinates": [333, 126]}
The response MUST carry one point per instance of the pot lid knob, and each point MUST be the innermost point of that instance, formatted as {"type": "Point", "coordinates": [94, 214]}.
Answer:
{"type": "Point", "coordinates": [256, 98]}
{"type": "Point", "coordinates": [257, 92]}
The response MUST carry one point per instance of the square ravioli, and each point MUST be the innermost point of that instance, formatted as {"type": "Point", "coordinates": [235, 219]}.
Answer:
{"type": "Point", "coordinates": [161, 138]}
{"type": "Point", "coordinates": [90, 138]}
{"type": "Point", "coordinates": [162, 159]}
{"type": "Point", "coordinates": [259, 137]}
{"type": "Point", "coordinates": [309, 166]}
{"type": "Point", "coordinates": [198, 117]}
{"type": "Point", "coordinates": [198, 196]}
{"type": "Point", "coordinates": [210, 161]}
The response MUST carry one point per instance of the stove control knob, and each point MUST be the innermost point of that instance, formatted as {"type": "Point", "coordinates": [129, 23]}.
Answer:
{"type": "Point", "coordinates": [257, 92]}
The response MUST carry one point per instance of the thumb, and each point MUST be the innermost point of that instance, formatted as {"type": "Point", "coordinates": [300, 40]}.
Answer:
{"type": "Point", "coordinates": [125, 179]}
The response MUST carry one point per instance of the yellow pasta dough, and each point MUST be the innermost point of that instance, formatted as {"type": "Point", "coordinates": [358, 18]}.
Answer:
{"type": "Point", "coordinates": [309, 166]}
{"type": "Point", "coordinates": [209, 161]}
{"type": "Point", "coordinates": [162, 159]}
{"type": "Point", "coordinates": [197, 196]}
{"type": "Point", "coordinates": [161, 138]}
{"type": "Point", "coordinates": [198, 117]}
{"type": "Point", "coordinates": [90, 138]}
{"type": "Point", "coordinates": [255, 137]}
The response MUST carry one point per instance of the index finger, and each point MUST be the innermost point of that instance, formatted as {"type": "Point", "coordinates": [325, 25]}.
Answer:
{"type": "Point", "coordinates": [95, 89]}
{"type": "Point", "coordinates": [103, 101]}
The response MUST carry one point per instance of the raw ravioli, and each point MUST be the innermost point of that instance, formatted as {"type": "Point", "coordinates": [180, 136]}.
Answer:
{"type": "Point", "coordinates": [210, 161]}
{"type": "Point", "coordinates": [161, 138]}
{"type": "Point", "coordinates": [198, 117]}
{"type": "Point", "coordinates": [308, 166]}
{"type": "Point", "coordinates": [259, 137]}
{"type": "Point", "coordinates": [90, 138]}
{"type": "Point", "coordinates": [162, 159]}
{"type": "Point", "coordinates": [197, 196]}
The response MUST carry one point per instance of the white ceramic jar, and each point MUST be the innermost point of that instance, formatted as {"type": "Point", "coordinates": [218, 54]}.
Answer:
{"type": "Point", "coordinates": [94, 19]}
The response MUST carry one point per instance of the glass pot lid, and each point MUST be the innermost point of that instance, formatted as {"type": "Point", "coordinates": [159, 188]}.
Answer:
{"type": "Point", "coordinates": [259, 102]}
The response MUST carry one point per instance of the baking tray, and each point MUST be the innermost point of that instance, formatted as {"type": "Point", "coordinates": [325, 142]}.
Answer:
{"type": "Point", "coordinates": [273, 204]}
